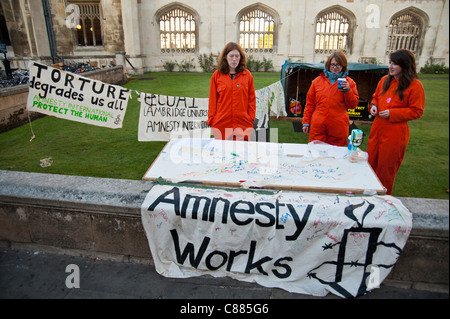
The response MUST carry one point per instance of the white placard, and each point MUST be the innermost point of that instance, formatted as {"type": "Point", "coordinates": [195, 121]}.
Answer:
{"type": "Point", "coordinates": [72, 97]}
{"type": "Point", "coordinates": [302, 242]}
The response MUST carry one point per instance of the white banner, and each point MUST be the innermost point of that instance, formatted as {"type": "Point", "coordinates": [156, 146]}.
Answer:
{"type": "Point", "coordinates": [162, 117]}
{"type": "Point", "coordinates": [72, 97]}
{"type": "Point", "coordinates": [308, 243]}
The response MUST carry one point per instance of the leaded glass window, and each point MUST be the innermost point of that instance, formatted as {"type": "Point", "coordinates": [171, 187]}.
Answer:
{"type": "Point", "coordinates": [177, 31]}
{"type": "Point", "coordinates": [332, 33]}
{"type": "Point", "coordinates": [257, 31]}
{"type": "Point", "coordinates": [405, 32]}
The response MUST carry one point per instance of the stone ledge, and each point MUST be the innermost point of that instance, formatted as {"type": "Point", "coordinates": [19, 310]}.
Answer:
{"type": "Point", "coordinates": [102, 215]}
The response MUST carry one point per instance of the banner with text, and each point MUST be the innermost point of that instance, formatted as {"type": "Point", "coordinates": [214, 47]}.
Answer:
{"type": "Point", "coordinates": [302, 242]}
{"type": "Point", "coordinates": [76, 98]}
{"type": "Point", "coordinates": [162, 117]}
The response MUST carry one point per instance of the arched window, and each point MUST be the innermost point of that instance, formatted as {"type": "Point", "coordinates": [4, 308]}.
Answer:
{"type": "Point", "coordinates": [333, 30]}
{"type": "Point", "coordinates": [177, 30]}
{"type": "Point", "coordinates": [406, 30]}
{"type": "Point", "coordinates": [258, 29]}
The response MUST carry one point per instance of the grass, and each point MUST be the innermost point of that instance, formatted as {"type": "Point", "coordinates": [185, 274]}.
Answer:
{"type": "Point", "coordinates": [86, 150]}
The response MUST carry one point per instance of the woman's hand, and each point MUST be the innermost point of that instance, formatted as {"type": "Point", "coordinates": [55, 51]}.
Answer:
{"type": "Point", "coordinates": [345, 86]}
{"type": "Point", "coordinates": [305, 129]}
{"type": "Point", "coordinates": [384, 114]}
{"type": "Point", "coordinates": [373, 110]}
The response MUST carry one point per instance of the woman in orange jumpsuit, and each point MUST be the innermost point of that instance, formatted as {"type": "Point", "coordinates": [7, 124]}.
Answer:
{"type": "Point", "coordinates": [232, 100]}
{"type": "Point", "coordinates": [399, 98]}
{"type": "Point", "coordinates": [325, 117]}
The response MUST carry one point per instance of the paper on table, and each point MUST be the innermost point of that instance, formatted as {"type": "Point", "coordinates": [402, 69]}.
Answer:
{"type": "Point", "coordinates": [326, 150]}
{"type": "Point", "coordinates": [295, 150]}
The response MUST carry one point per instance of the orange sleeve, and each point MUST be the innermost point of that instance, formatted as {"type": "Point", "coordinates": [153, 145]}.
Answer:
{"type": "Point", "coordinates": [416, 104]}
{"type": "Point", "coordinates": [351, 97]}
{"type": "Point", "coordinates": [310, 104]}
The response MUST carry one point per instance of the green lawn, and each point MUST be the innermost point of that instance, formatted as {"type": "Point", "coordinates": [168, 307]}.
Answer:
{"type": "Point", "coordinates": [80, 149]}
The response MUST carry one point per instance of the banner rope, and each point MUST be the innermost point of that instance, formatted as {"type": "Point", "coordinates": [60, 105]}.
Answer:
{"type": "Point", "coordinates": [31, 127]}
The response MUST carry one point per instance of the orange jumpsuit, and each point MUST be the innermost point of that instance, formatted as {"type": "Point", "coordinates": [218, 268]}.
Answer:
{"type": "Point", "coordinates": [232, 105]}
{"type": "Point", "coordinates": [326, 110]}
{"type": "Point", "coordinates": [389, 137]}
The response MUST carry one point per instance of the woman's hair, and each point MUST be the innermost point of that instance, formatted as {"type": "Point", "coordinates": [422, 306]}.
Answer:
{"type": "Point", "coordinates": [222, 64]}
{"type": "Point", "coordinates": [406, 60]}
{"type": "Point", "coordinates": [340, 58]}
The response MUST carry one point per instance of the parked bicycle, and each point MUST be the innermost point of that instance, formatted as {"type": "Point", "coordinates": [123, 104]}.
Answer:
{"type": "Point", "coordinates": [19, 77]}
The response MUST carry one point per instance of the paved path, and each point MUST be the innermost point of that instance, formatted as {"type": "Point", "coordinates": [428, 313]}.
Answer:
{"type": "Point", "coordinates": [26, 274]}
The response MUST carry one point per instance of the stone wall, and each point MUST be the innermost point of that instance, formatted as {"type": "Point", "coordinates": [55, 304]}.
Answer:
{"type": "Point", "coordinates": [99, 215]}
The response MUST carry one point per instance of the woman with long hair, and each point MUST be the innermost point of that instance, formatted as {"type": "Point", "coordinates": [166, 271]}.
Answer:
{"type": "Point", "coordinates": [325, 117]}
{"type": "Point", "coordinates": [232, 100]}
{"type": "Point", "coordinates": [399, 98]}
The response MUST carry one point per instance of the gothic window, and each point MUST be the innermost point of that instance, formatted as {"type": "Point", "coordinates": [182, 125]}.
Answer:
{"type": "Point", "coordinates": [333, 31]}
{"type": "Point", "coordinates": [257, 30]}
{"type": "Point", "coordinates": [177, 29]}
{"type": "Point", "coordinates": [405, 32]}
{"type": "Point", "coordinates": [89, 28]}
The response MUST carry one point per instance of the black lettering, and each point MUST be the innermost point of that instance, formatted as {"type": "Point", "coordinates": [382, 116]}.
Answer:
{"type": "Point", "coordinates": [258, 264]}
{"type": "Point", "coordinates": [193, 103]}
{"type": "Point", "coordinates": [168, 104]}
{"type": "Point", "coordinates": [40, 67]}
{"type": "Point", "coordinates": [59, 92]}
{"type": "Point", "coordinates": [94, 85]}
{"type": "Point", "coordinates": [277, 213]}
{"type": "Point", "coordinates": [226, 206]}
{"type": "Point", "coordinates": [266, 214]}
{"type": "Point", "coordinates": [232, 255]}
{"type": "Point", "coordinates": [56, 79]}
{"type": "Point", "coordinates": [181, 99]}
{"type": "Point", "coordinates": [111, 90]}
{"type": "Point", "coordinates": [211, 255]}
{"type": "Point", "coordinates": [44, 87]}
{"type": "Point", "coordinates": [151, 98]}
{"type": "Point", "coordinates": [162, 199]}
{"type": "Point", "coordinates": [84, 80]}
{"type": "Point", "coordinates": [246, 210]}
{"type": "Point", "coordinates": [69, 78]}
{"type": "Point", "coordinates": [194, 210]}
{"type": "Point", "coordinates": [189, 250]}
{"type": "Point", "coordinates": [32, 82]}
{"type": "Point", "coordinates": [122, 94]}
{"type": "Point", "coordinates": [299, 223]}
{"type": "Point", "coordinates": [279, 264]}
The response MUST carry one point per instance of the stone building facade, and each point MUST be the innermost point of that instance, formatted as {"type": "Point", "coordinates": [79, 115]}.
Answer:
{"type": "Point", "coordinates": [144, 34]}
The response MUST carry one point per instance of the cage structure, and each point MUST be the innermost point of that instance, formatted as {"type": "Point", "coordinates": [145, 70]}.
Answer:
{"type": "Point", "coordinates": [296, 79]}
